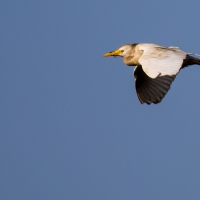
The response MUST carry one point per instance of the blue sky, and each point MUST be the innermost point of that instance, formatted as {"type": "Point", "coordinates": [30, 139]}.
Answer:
{"type": "Point", "coordinates": [71, 125]}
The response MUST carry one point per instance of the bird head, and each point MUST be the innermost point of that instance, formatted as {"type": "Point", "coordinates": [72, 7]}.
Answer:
{"type": "Point", "coordinates": [122, 51]}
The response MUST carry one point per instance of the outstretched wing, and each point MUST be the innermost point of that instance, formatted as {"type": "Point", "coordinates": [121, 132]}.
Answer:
{"type": "Point", "coordinates": [160, 61]}
{"type": "Point", "coordinates": [151, 90]}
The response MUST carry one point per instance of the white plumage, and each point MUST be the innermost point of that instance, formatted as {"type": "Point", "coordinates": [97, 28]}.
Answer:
{"type": "Point", "coordinates": [157, 60]}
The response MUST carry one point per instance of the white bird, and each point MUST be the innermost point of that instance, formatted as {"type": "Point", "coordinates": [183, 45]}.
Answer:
{"type": "Point", "coordinates": [156, 68]}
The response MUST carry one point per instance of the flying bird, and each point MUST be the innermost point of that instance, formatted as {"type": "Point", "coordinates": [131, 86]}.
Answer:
{"type": "Point", "coordinates": [156, 68]}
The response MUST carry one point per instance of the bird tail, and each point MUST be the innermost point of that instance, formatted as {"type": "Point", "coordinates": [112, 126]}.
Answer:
{"type": "Point", "coordinates": [191, 60]}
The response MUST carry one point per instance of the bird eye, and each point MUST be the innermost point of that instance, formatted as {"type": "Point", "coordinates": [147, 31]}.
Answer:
{"type": "Point", "coordinates": [122, 50]}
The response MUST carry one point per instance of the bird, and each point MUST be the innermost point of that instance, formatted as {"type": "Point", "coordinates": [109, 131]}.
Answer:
{"type": "Point", "coordinates": [156, 68]}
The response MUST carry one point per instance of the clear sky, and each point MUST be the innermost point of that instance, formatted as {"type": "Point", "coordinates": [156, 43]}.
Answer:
{"type": "Point", "coordinates": [71, 125]}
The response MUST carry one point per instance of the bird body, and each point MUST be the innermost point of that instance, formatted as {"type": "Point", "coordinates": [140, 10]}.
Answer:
{"type": "Point", "coordinates": [156, 68]}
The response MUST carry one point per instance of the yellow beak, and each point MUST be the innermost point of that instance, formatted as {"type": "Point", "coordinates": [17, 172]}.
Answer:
{"type": "Point", "coordinates": [113, 53]}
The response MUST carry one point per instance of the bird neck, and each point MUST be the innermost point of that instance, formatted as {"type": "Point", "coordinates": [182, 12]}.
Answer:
{"type": "Point", "coordinates": [131, 60]}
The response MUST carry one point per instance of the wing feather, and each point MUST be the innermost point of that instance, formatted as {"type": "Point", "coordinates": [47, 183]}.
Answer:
{"type": "Point", "coordinates": [151, 90]}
